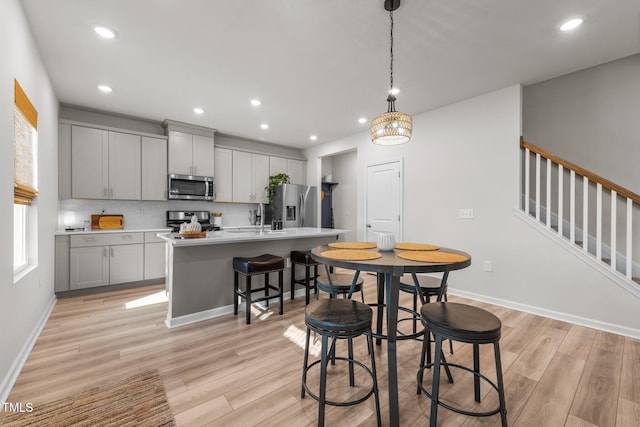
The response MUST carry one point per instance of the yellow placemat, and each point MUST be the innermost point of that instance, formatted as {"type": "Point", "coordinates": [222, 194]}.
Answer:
{"type": "Point", "coordinates": [432, 256]}
{"type": "Point", "coordinates": [351, 255]}
{"type": "Point", "coordinates": [416, 247]}
{"type": "Point", "coordinates": [352, 245]}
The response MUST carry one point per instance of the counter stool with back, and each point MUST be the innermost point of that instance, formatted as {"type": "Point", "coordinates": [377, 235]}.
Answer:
{"type": "Point", "coordinates": [252, 266]}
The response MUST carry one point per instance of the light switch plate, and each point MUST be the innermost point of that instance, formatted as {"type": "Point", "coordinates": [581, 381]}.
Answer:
{"type": "Point", "coordinates": [466, 213]}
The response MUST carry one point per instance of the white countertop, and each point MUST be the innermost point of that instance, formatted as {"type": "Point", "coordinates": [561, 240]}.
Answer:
{"type": "Point", "coordinates": [119, 230]}
{"type": "Point", "coordinates": [250, 235]}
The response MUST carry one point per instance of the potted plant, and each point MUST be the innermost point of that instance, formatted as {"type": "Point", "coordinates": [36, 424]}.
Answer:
{"type": "Point", "coordinates": [274, 181]}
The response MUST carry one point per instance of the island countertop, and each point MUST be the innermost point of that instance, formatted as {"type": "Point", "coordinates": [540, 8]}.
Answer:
{"type": "Point", "coordinates": [250, 235]}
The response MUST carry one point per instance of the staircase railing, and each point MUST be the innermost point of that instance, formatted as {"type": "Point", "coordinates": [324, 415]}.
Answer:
{"type": "Point", "coordinates": [544, 197]}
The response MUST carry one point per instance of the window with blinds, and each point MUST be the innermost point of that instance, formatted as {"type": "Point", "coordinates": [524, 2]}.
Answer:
{"type": "Point", "coordinates": [25, 138]}
{"type": "Point", "coordinates": [24, 182]}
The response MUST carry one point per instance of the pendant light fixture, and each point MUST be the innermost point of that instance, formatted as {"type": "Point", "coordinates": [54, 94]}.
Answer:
{"type": "Point", "coordinates": [392, 127]}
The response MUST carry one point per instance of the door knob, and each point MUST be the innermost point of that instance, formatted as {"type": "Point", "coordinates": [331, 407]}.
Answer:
{"type": "Point", "coordinates": [368, 225]}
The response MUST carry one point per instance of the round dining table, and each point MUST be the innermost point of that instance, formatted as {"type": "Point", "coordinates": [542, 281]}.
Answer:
{"type": "Point", "coordinates": [389, 269]}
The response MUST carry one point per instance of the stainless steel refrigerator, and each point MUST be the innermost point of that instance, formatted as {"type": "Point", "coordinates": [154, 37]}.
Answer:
{"type": "Point", "coordinates": [295, 205]}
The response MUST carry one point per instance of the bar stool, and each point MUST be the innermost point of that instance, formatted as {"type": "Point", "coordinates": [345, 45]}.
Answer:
{"type": "Point", "coordinates": [464, 323]}
{"type": "Point", "coordinates": [304, 258]}
{"type": "Point", "coordinates": [343, 284]}
{"type": "Point", "coordinates": [339, 319]}
{"type": "Point", "coordinates": [427, 287]}
{"type": "Point", "coordinates": [263, 264]}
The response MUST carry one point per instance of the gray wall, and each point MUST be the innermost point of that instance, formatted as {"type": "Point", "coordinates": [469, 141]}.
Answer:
{"type": "Point", "coordinates": [345, 202]}
{"type": "Point", "coordinates": [25, 302]}
{"type": "Point", "coordinates": [590, 118]}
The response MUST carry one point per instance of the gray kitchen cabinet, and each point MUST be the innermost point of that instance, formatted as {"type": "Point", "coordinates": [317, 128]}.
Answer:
{"type": "Point", "coordinates": [105, 259]}
{"type": "Point", "coordinates": [250, 177]}
{"type": "Point", "coordinates": [154, 169]}
{"type": "Point", "coordinates": [293, 168]}
{"type": "Point", "coordinates": [277, 165]}
{"type": "Point", "coordinates": [191, 154]}
{"type": "Point", "coordinates": [154, 256]}
{"type": "Point", "coordinates": [89, 267]}
{"type": "Point", "coordinates": [223, 179]}
{"type": "Point", "coordinates": [105, 164]}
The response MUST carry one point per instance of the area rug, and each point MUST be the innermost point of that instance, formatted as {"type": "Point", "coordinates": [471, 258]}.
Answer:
{"type": "Point", "coordinates": [139, 400]}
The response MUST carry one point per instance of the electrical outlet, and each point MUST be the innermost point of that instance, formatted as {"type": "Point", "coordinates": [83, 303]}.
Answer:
{"type": "Point", "coordinates": [466, 213]}
{"type": "Point", "coordinates": [488, 266]}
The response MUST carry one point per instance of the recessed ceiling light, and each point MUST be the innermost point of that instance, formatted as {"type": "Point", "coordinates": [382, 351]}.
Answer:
{"type": "Point", "coordinates": [105, 88]}
{"type": "Point", "coordinates": [394, 91]}
{"type": "Point", "coordinates": [255, 102]}
{"type": "Point", "coordinates": [313, 137]}
{"type": "Point", "coordinates": [571, 24]}
{"type": "Point", "coordinates": [264, 126]}
{"type": "Point", "coordinates": [104, 32]}
{"type": "Point", "coordinates": [198, 110]}
{"type": "Point", "coordinates": [362, 120]}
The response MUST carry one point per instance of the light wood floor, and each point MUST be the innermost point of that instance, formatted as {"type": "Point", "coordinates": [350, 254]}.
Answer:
{"type": "Point", "coordinates": [224, 373]}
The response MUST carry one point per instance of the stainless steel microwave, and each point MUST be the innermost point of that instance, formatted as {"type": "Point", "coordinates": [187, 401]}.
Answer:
{"type": "Point", "coordinates": [189, 187]}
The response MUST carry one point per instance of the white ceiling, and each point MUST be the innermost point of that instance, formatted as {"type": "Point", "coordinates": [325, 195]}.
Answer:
{"type": "Point", "coordinates": [317, 65]}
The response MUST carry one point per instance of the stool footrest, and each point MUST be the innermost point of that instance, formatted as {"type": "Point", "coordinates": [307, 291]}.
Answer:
{"type": "Point", "coordinates": [344, 403]}
{"type": "Point", "coordinates": [452, 408]}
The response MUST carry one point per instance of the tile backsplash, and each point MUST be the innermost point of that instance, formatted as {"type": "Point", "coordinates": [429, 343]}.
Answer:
{"type": "Point", "coordinates": [147, 214]}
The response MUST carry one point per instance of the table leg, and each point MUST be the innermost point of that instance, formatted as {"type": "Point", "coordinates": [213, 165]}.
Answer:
{"type": "Point", "coordinates": [393, 291]}
{"type": "Point", "coordinates": [380, 307]}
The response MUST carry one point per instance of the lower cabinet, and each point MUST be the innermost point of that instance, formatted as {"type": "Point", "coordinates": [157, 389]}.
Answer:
{"type": "Point", "coordinates": [154, 256]}
{"type": "Point", "coordinates": [107, 259]}
{"type": "Point", "coordinates": [89, 267]}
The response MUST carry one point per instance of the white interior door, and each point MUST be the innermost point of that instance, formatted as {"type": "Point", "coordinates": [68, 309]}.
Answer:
{"type": "Point", "coordinates": [384, 200]}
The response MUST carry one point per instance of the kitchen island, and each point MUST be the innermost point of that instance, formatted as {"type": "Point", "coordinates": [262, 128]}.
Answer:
{"type": "Point", "coordinates": [199, 277]}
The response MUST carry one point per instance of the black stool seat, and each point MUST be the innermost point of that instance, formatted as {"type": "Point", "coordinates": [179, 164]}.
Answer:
{"type": "Point", "coordinates": [251, 266]}
{"type": "Point", "coordinates": [341, 284]}
{"type": "Point", "coordinates": [468, 324]}
{"type": "Point", "coordinates": [461, 322]}
{"type": "Point", "coordinates": [302, 257]}
{"type": "Point", "coordinates": [339, 315]}
{"type": "Point", "coordinates": [258, 265]}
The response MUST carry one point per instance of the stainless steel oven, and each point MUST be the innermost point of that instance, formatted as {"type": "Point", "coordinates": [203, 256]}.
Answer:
{"type": "Point", "coordinates": [190, 187]}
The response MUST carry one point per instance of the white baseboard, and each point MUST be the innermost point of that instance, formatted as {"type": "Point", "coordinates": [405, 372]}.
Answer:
{"type": "Point", "coordinates": [18, 363]}
{"type": "Point", "coordinates": [215, 312]}
{"type": "Point", "coordinates": [578, 320]}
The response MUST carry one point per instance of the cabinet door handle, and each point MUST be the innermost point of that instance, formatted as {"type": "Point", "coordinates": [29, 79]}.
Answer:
{"type": "Point", "coordinates": [111, 251]}
{"type": "Point", "coordinates": [104, 252]}
{"type": "Point", "coordinates": [105, 192]}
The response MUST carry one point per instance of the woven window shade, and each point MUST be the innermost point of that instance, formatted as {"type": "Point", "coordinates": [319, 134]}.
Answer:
{"type": "Point", "coordinates": [25, 125]}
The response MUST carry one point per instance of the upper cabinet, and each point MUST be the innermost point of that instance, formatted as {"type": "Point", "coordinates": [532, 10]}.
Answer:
{"type": "Point", "coordinates": [293, 168]}
{"type": "Point", "coordinates": [105, 164]}
{"type": "Point", "coordinates": [223, 181]}
{"type": "Point", "coordinates": [190, 154]}
{"type": "Point", "coordinates": [250, 177]}
{"type": "Point", "coordinates": [154, 168]}
{"type": "Point", "coordinates": [101, 163]}
{"type": "Point", "coordinates": [191, 149]}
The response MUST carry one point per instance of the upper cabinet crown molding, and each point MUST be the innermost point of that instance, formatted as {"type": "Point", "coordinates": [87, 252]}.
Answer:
{"type": "Point", "coordinates": [172, 125]}
{"type": "Point", "coordinates": [110, 128]}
